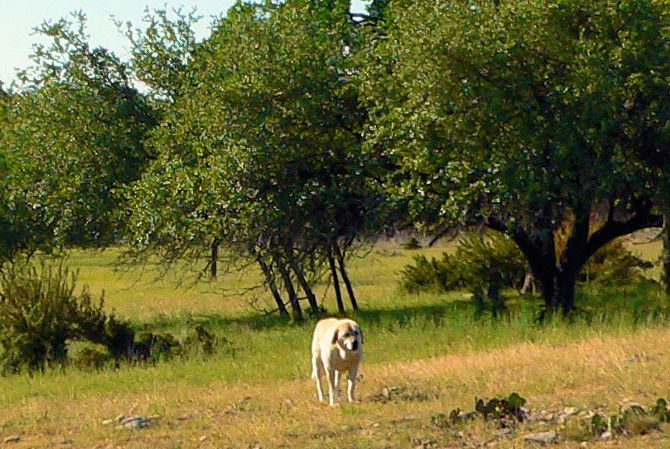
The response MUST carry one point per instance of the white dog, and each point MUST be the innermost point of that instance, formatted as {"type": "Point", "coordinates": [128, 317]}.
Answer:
{"type": "Point", "coordinates": [337, 347]}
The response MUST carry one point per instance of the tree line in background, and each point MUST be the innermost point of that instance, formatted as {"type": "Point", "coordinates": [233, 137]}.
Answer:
{"type": "Point", "coordinates": [298, 132]}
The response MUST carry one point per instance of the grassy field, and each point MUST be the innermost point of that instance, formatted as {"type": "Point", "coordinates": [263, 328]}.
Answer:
{"type": "Point", "coordinates": [425, 356]}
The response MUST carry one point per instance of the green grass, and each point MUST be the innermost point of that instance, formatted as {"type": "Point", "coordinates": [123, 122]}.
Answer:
{"type": "Point", "coordinates": [262, 353]}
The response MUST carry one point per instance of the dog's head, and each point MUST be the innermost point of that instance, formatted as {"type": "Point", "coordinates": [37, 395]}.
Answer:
{"type": "Point", "coordinates": [348, 335]}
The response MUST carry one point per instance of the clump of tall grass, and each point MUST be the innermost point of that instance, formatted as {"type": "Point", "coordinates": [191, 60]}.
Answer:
{"type": "Point", "coordinates": [42, 315]}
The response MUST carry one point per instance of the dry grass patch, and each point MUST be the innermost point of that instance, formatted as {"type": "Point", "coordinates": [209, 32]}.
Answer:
{"type": "Point", "coordinates": [272, 414]}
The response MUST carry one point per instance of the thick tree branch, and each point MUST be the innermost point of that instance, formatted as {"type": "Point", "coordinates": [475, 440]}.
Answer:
{"type": "Point", "coordinates": [613, 229]}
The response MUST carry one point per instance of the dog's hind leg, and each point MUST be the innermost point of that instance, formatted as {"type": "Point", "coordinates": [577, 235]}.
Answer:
{"type": "Point", "coordinates": [351, 383]}
{"type": "Point", "coordinates": [317, 369]}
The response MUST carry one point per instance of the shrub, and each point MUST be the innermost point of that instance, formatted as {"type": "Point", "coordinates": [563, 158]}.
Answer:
{"type": "Point", "coordinates": [40, 312]}
{"type": "Point", "coordinates": [85, 355]}
{"type": "Point", "coordinates": [433, 274]}
{"type": "Point", "coordinates": [487, 265]}
{"type": "Point", "coordinates": [411, 243]}
{"type": "Point", "coordinates": [201, 341]}
{"type": "Point", "coordinates": [483, 265]}
{"type": "Point", "coordinates": [614, 264]}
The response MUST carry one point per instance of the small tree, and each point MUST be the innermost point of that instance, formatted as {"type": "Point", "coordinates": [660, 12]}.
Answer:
{"type": "Point", "coordinates": [71, 136]}
{"type": "Point", "coordinates": [261, 151]}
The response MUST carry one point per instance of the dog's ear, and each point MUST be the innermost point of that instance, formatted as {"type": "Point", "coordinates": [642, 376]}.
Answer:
{"type": "Point", "coordinates": [335, 337]}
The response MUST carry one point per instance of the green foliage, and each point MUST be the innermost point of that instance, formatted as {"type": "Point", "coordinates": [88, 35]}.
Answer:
{"type": "Point", "coordinates": [431, 275]}
{"type": "Point", "coordinates": [522, 116]}
{"type": "Point", "coordinates": [86, 355]}
{"type": "Point", "coordinates": [411, 243]}
{"type": "Point", "coordinates": [614, 264]}
{"type": "Point", "coordinates": [42, 318]}
{"type": "Point", "coordinates": [40, 312]}
{"type": "Point", "coordinates": [482, 265]}
{"type": "Point", "coordinates": [161, 51]}
{"type": "Point", "coordinates": [73, 134]}
{"type": "Point", "coordinates": [261, 150]}
{"type": "Point", "coordinates": [502, 409]}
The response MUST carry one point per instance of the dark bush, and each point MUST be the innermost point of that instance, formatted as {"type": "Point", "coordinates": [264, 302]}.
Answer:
{"type": "Point", "coordinates": [200, 341]}
{"type": "Point", "coordinates": [411, 243]}
{"type": "Point", "coordinates": [154, 347]}
{"type": "Point", "coordinates": [40, 312]}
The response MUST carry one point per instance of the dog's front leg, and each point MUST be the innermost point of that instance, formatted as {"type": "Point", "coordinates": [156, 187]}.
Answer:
{"type": "Point", "coordinates": [331, 384]}
{"type": "Point", "coordinates": [351, 383]}
{"type": "Point", "coordinates": [337, 385]}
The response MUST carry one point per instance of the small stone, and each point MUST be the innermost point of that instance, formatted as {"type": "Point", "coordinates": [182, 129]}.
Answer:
{"type": "Point", "coordinates": [543, 437]}
{"type": "Point", "coordinates": [202, 438]}
{"type": "Point", "coordinates": [606, 436]}
{"type": "Point", "coordinates": [12, 439]}
{"type": "Point", "coordinates": [569, 411]}
{"type": "Point", "coordinates": [584, 444]}
{"type": "Point", "coordinates": [120, 418]}
{"type": "Point", "coordinates": [135, 422]}
{"type": "Point", "coordinates": [386, 393]}
{"type": "Point", "coordinates": [106, 422]}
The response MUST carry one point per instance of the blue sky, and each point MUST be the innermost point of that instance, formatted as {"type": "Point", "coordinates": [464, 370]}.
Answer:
{"type": "Point", "coordinates": [21, 16]}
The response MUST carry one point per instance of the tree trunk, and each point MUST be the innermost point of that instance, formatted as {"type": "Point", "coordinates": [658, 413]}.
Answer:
{"type": "Point", "coordinates": [311, 298]}
{"type": "Point", "coordinates": [270, 280]}
{"type": "Point", "coordinates": [528, 283]}
{"type": "Point", "coordinates": [557, 279]}
{"type": "Point", "coordinates": [564, 290]}
{"type": "Point", "coordinates": [336, 282]}
{"type": "Point", "coordinates": [213, 260]}
{"type": "Point", "coordinates": [345, 277]}
{"type": "Point", "coordinates": [666, 252]}
{"type": "Point", "coordinates": [296, 311]}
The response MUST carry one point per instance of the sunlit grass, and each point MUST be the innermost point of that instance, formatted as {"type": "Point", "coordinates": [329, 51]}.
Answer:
{"type": "Point", "coordinates": [430, 342]}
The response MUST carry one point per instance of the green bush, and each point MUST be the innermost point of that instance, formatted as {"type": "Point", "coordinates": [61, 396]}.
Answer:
{"type": "Point", "coordinates": [431, 275]}
{"type": "Point", "coordinates": [411, 243]}
{"type": "Point", "coordinates": [85, 355]}
{"type": "Point", "coordinates": [483, 265]}
{"type": "Point", "coordinates": [614, 264]}
{"type": "Point", "coordinates": [44, 322]}
{"type": "Point", "coordinates": [201, 341]}
{"type": "Point", "coordinates": [40, 313]}
{"type": "Point", "coordinates": [36, 309]}
{"type": "Point", "coordinates": [487, 265]}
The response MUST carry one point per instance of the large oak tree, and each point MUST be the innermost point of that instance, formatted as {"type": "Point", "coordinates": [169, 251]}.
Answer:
{"type": "Point", "coordinates": [527, 117]}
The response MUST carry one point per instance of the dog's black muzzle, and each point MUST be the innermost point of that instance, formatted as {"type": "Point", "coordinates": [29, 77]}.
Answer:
{"type": "Point", "coordinates": [354, 347]}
